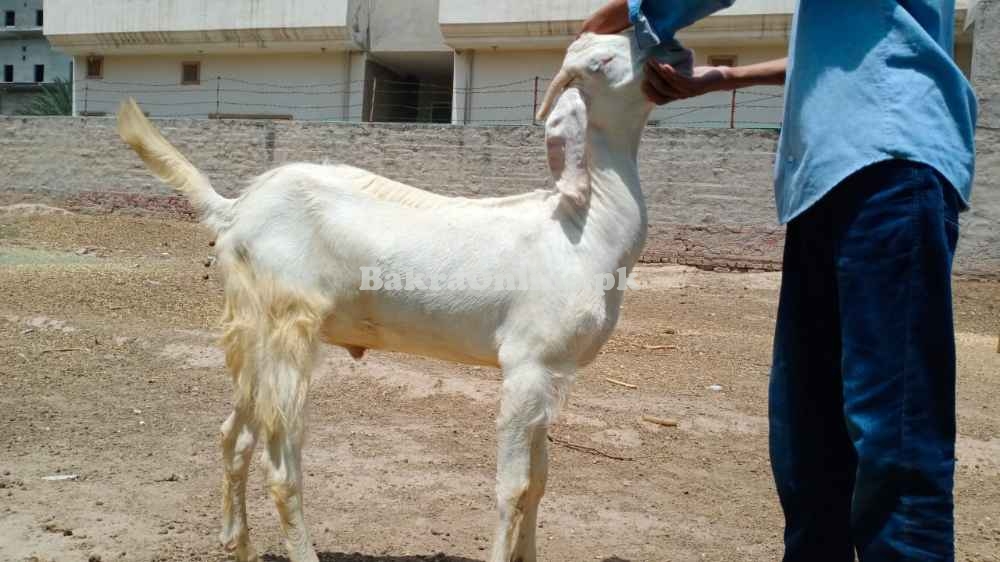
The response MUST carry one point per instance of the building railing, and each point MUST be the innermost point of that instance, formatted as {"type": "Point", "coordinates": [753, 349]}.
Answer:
{"type": "Point", "coordinates": [19, 31]}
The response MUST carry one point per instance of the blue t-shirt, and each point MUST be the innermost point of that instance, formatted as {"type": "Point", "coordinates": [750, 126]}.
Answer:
{"type": "Point", "coordinates": [868, 81]}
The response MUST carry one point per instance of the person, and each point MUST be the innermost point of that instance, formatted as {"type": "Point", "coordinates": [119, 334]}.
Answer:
{"type": "Point", "coordinates": [875, 161]}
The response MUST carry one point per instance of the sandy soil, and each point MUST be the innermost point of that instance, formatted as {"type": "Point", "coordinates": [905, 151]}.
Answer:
{"type": "Point", "coordinates": [109, 373]}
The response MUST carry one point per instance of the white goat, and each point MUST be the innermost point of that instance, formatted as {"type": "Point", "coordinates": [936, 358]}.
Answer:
{"type": "Point", "coordinates": [292, 247]}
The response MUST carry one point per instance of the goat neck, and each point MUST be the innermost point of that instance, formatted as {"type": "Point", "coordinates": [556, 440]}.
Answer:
{"type": "Point", "coordinates": [616, 217]}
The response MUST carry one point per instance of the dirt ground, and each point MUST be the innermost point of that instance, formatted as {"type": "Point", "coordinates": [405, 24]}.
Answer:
{"type": "Point", "coordinates": [109, 373]}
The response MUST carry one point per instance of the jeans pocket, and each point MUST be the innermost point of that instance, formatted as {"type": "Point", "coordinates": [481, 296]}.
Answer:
{"type": "Point", "coordinates": [951, 230]}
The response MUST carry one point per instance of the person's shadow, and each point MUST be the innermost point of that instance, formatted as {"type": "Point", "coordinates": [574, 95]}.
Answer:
{"type": "Point", "coordinates": [358, 557]}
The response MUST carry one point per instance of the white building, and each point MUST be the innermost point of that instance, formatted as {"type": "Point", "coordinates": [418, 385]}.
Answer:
{"type": "Point", "coordinates": [512, 41]}
{"type": "Point", "coordinates": [201, 57]}
{"type": "Point", "coordinates": [26, 59]}
{"type": "Point", "coordinates": [380, 60]}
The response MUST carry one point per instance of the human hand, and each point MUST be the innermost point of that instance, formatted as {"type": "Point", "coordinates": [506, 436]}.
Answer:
{"type": "Point", "coordinates": [664, 83]}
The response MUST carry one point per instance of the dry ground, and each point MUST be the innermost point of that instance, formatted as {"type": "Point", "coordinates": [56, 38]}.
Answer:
{"type": "Point", "coordinates": [108, 372]}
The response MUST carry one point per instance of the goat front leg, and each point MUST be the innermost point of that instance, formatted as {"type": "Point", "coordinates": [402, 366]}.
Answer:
{"type": "Point", "coordinates": [238, 440]}
{"type": "Point", "coordinates": [529, 398]}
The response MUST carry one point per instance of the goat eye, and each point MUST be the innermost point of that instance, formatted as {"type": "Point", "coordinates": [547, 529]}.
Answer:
{"type": "Point", "coordinates": [597, 65]}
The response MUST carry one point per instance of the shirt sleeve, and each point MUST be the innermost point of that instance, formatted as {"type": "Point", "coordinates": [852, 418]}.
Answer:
{"type": "Point", "coordinates": [656, 21]}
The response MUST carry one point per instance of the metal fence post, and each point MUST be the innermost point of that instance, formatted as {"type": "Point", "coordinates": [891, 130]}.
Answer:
{"type": "Point", "coordinates": [732, 112]}
{"type": "Point", "coordinates": [86, 90]}
{"type": "Point", "coordinates": [371, 110]}
{"type": "Point", "coordinates": [218, 96]}
{"type": "Point", "coordinates": [534, 104]}
{"type": "Point", "coordinates": [346, 112]}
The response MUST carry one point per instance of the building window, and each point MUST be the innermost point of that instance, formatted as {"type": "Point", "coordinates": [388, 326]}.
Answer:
{"type": "Point", "coordinates": [95, 67]}
{"type": "Point", "coordinates": [191, 73]}
{"type": "Point", "coordinates": [8, 18]}
{"type": "Point", "coordinates": [722, 60]}
{"type": "Point", "coordinates": [39, 19]}
{"type": "Point", "coordinates": [39, 73]}
{"type": "Point", "coordinates": [8, 73]}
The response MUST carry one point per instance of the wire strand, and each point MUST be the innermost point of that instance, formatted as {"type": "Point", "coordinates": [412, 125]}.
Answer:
{"type": "Point", "coordinates": [398, 101]}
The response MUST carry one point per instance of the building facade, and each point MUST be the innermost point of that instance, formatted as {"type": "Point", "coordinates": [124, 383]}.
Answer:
{"type": "Point", "coordinates": [26, 58]}
{"type": "Point", "coordinates": [273, 58]}
{"type": "Point", "coordinates": [383, 60]}
{"type": "Point", "coordinates": [502, 45]}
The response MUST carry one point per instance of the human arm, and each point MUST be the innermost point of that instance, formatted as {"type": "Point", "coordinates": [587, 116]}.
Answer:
{"type": "Point", "coordinates": [655, 21]}
{"type": "Point", "coordinates": [663, 83]}
{"type": "Point", "coordinates": [608, 19]}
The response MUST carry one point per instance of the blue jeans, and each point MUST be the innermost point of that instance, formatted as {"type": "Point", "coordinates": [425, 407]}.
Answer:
{"type": "Point", "coordinates": [862, 395]}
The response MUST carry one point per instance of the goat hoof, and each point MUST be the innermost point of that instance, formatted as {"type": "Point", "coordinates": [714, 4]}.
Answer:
{"type": "Point", "coordinates": [233, 542]}
{"type": "Point", "coordinates": [241, 550]}
{"type": "Point", "coordinates": [357, 353]}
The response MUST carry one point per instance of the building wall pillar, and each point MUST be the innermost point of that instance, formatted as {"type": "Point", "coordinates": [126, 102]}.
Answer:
{"type": "Point", "coordinates": [462, 84]}
{"type": "Point", "coordinates": [986, 62]}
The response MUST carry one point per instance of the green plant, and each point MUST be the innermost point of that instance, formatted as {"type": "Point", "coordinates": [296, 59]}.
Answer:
{"type": "Point", "coordinates": [56, 98]}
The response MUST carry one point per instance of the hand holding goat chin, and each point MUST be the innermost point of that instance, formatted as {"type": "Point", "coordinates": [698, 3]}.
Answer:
{"type": "Point", "coordinates": [292, 247]}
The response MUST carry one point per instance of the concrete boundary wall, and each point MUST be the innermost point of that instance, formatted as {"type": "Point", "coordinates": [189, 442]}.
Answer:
{"type": "Point", "coordinates": [709, 192]}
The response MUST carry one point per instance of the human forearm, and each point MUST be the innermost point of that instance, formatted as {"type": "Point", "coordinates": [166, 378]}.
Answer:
{"type": "Point", "coordinates": [664, 83]}
{"type": "Point", "coordinates": [770, 73]}
{"type": "Point", "coordinates": [611, 18]}
{"type": "Point", "coordinates": [659, 18]}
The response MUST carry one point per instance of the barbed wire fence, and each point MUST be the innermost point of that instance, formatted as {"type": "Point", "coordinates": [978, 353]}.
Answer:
{"type": "Point", "coordinates": [377, 100]}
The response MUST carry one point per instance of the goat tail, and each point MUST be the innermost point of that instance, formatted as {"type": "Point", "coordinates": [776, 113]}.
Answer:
{"type": "Point", "coordinates": [168, 164]}
{"type": "Point", "coordinates": [270, 339]}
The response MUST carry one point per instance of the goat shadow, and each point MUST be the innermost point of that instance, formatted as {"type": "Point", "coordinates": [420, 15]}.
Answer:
{"type": "Point", "coordinates": [573, 222]}
{"type": "Point", "coordinates": [358, 557]}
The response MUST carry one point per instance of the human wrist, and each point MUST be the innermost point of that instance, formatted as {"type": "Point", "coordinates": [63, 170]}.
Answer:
{"type": "Point", "coordinates": [732, 77]}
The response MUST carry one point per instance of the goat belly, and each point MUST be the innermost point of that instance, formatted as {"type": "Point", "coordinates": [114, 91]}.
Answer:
{"type": "Point", "coordinates": [358, 337]}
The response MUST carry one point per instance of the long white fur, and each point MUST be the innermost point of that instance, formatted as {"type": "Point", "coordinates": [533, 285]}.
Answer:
{"type": "Point", "coordinates": [293, 244]}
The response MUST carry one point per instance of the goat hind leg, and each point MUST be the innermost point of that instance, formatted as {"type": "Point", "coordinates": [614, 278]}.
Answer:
{"type": "Point", "coordinates": [282, 363]}
{"type": "Point", "coordinates": [285, 376]}
{"type": "Point", "coordinates": [284, 459]}
{"type": "Point", "coordinates": [238, 440]}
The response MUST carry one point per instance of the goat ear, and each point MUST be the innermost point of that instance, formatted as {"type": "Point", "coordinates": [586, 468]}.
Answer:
{"type": "Point", "coordinates": [566, 142]}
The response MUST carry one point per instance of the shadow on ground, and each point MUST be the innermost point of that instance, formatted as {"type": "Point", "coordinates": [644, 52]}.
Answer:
{"type": "Point", "coordinates": [358, 557]}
